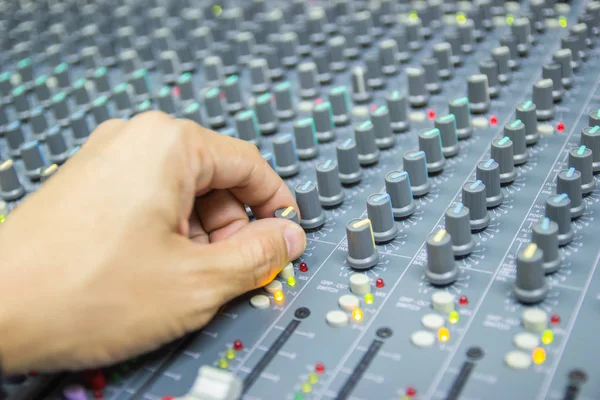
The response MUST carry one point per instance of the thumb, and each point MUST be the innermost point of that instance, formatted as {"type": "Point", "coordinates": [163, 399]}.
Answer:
{"type": "Point", "coordinates": [255, 254]}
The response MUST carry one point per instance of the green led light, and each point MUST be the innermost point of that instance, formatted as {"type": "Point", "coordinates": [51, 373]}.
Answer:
{"type": "Point", "coordinates": [217, 10]}
{"type": "Point", "coordinates": [509, 19]}
{"type": "Point", "coordinates": [562, 21]}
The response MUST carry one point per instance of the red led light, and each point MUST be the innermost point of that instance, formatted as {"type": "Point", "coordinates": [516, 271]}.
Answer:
{"type": "Point", "coordinates": [430, 114]}
{"type": "Point", "coordinates": [320, 368]}
{"type": "Point", "coordinates": [379, 283]}
{"type": "Point", "coordinates": [493, 120]}
{"type": "Point", "coordinates": [463, 300]}
{"type": "Point", "coordinates": [318, 100]}
{"type": "Point", "coordinates": [98, 394]}
{"type": "Point", "coordinates": [555, 319]}
{"type": "Point", "coordinates": [560, 127]}
{"type": "Point", "coordinates": [411, 391]}
{"type": "Point", "coordinates": [238, 345]}
{"type": "Point", "coordinates": [167, 398]}
{"type": "Point", "coordinates": [32, 373]}
{"type": "Point", "coordinates": [96, 380]}
{"type": "Point", "coordinates": [303, 267]}
{"type": "Point", "coordinates": [222, 95]}
{"type": "Point", "coordinates": [372, 107]}
{"type": "Point", "coordinates": [176, 91]}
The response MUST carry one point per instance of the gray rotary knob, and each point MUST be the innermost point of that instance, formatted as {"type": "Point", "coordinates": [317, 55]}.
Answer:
{"type": "Point", "coordinates": [284, 103]}
{"type": "Point", "coordinates": [474, 198]}
{"type": "Point", "coordinates": [288, 213]}
{"type": "Point", "coordinates": [360, 90]}
{"type": "Point", "coordinates": [397, 107]}
{"type": "Point", "coordinates": [521, 29]}
{"type": "Point", "coordinates": [368, 152]}
{"type": "Point", "coordinates": [397, 185]}
{"type": "Point", "coordinates": [337, 46]}
{"type": "Point", "coordinates": [33, 158]}
{"type": "Point", "coordinates": [286, 158]}
{"type": "Point", "coordinates": [10, 185]}
{"type": "Point", "coordinates": [321, 59]}
{"type": "Point", "coordinates": [502, 153]}
{"type": "Point", "coordinates": [458, 225]}
{"type": "Point", "coordinates": [245, 44]}
{"type": "Point", "coordinates": [558, 209]}
{"type": "Point", "coordinates": [417, 95]}
{"type": "Point", "coordinates": [348, 163]}
{"type": "Point", "coordinates": [307, 77]}
{"type": "Point", "coordinates": [488, 172]}
{"type": "Point", "coordinates": [59, 151]}
{"type": "Point", "coordinates": [542, 97]}
{"type": "Point", "coordinates": [41, 90]}
{"type": "Point", "coordinates": [461, 110]}
{"type": "Point", "coordinates": [388, 56]}
{"type": "Point", "coordinates": [306, 139]}
{"type": "Point", "coordinates": [443, 53]}
{"type": "Point", "coordinates": [81, 93]}
{"type": "Point", "coordinates": [441, 267]}
{"type": "Point", "coordinates": [515, 131]}
{"type": "Point", "coordinates": [322, 115]}
{"type": "Point", "coordinates": [430, 142]}
{"type": "Point", "coordinates": [259, 75]}
{"type": "Point", "coordinates": [340, 103]}
{"type": "Point", "coordinates": [331, 193]}
{"type": "Point", "coordinates": [413, 28]}
{"type": "Point", "coordinates": [565, 59]}
{"type": "Point", "coordinates": [60, 108]}
{"type": "Point", "coordinates": [571, 42]}
{"type": "Point", "coordinates": [530, 285]}
{"type": "Point", "coordinates": [215, 109]}
{"type": "Point", "coordinates": [265, 114]}
{"type": "Point", "coordinates": [38, 123]}
{"type": "Point", "coordinates": [141, 84]}
{"type": "Point", "coordinates": [501, 55]}
{"type": "Point", "coordinates": [478, 93]}
{"type": "Point", "coordinates": [247, 127]}
{"type": "Point", "coordinates": [233, 94]}
{"type": "Point", "coordinates": [581, 159]}
{"type": "Point", "coordinates": [362, 253]}
{"type": "Point", "coordinates": [446, 124]}
{"type": "Point", "coordinates": [510, 41]}
{"type": "Point", "coordinates": [21, 101]}
{"type": "Point", "coordinates": [489, 68]}
{"type": "Point", "coordinates": [79, 127]}
{"type": "Point", "coordinates": [379, 211]}
{"type": "Point", "coordinates": [14, 138]}
{"type": "Point", "coordinates": [415, 164]}
{"type": "Point", "coordinates": [569, 182]}
{"type": "Point", "coordinates": [594, 118]}
{"type": "Point", "coordinates": [432, 79]}
{"type": "Point", "coordinates": [590, 138]}
{"type": "Point", "coordinates": [384, 138]}
{"type": "Point", "coordinates": [166, 103]}
{"type": "Point", "coordinates": [307, 197]}
{"type": "Point", "coordinates": [545, 235]}
{"type": "Point", "coordinates": [552, 71]}
{"type": "Point", "coordinates": [287, 45]}
{"type": "Point", "coordinates": [453, 39]}
{"type": "Point", "coordinates": [192, 112]}
{"type": "Point", "coordinates": [374, 75]}
{"type": "Point", "coordinates": [270, 159]}
{"type": "Point", "coordinates": [465, 32]}
{"type": "Point", "coordinates": [526, 112]}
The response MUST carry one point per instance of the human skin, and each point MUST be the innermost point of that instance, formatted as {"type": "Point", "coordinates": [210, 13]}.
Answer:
{"type": "Point", "coordinates": [138, 239]}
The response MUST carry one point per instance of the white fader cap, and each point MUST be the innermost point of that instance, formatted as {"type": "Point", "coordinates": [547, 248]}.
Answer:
{"type": "Point", "coordinates": [215, 384]}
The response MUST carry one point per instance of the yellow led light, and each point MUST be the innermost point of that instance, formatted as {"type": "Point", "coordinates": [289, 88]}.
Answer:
{"type": "Point", "coordinates": [439, 235]}
{"type": "Point", "coordinates": [530, 250]}
{"type": "Point", "coordinates": [230, 354]}
{"type": "Point", "coordinates": [313, 378]}
{"type": "Point", "coordinates": [443, 334]}
{"type": "Point", "coordinates": [509, 19]}
{"type": "Point", "coordinates": [223, 363]}
{"type": "Point", "coordinates": [357, 314]}
{"type": "Point", "coordinates": [279, 297]}
{"type": "Point", "coordinates": [369, 299]}
{"type": "Point", "coordinates": [562, 21]}
{"type": "Point", "coordinates": [2, 218]}
{"type": "Point", "coordinates": [460, 18]}
{"type": "Point", "coordinates": [547, 336]}
{"type": "Point", "coordinates": [306, 387]}
{"type": "Point", "coordinates": [453, 317]}
{"type": "Point", "coordinates": [287, 211]}
{"type": "Point", "coordinates": [217, 10]}
{"type": "Point", "coordinates": [291, 281]}
{"type": "Point", "coordinates": [538, 355]}
{"type": "Point", "coordinates": [404, 398]}
{"type": "Point", "coordinates": [413, 15]}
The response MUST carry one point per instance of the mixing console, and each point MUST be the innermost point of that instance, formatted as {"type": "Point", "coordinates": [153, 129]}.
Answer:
{"type": "Point", "coordinates": [443, 156]}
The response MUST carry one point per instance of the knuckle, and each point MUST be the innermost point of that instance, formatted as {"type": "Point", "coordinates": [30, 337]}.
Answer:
{"type": "Point", "coordinates": [153, 117]}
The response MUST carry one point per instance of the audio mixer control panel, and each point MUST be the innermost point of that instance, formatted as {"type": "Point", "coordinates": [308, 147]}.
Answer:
{"type": "Point", "coordinates": [444, 157]}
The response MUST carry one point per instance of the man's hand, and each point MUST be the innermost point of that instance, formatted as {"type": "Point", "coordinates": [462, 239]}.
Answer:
{"type": "Point", "coordinates": [138, 239]}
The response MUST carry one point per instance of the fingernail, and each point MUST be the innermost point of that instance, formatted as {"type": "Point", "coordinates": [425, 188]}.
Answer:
{"type": "Point", "coordinates": [295, 240]}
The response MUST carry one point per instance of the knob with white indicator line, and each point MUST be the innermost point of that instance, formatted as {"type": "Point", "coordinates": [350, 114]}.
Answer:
{"type": "Point", "coordinates": [542, 97]}
{"type": "Point", "coordinates": [441, 267]}
{"type": "Point", "coordinates": [415, 164]}
{"type": "Point", "coordinates": [306, 139]}
{"type": "Point", "coordinates": [446, 124]}
{"type": "Point", "coordinates": [569, 182]}
{"type": "Point", "coordinates": [516, 132]}
{"type": "Point", "coordinates": [397, 106]}
{"type": "Point", "coordinates": [33, 158]}
{"type": "Point", "coordinates": [458, 225]}
{"type": "Point", "coordinates": [558, 209]}
{"type": "Point", "coordinates": [286, 158]}
{"type": "Point", "coordinates": [328, 181]}
{"type": "Point", "coordinates": [530, 285]}
{"type": "Point", "coordinates": [284, 103]}
{"type": "Point", "coordinates": [307, 197]}
{"type": "Point", "coordinates": [460, 108]}
{"type": "Point", "coordinates": [474, 197]}
{"type": "Point", "coordinates": [10, 185]}
{"type": "Point", "coordinates": [360, 92]}
{"type": "Point", "coordinates": [581, 159]}
{"type": "Point", "coordinates": [349, 165]}
{"type": "Point", "coordinates": [265, 114]}
{"type": "Point", "coordinates": [430, 142]}
{"type": "Point", "coordinates": [545, 235]}
{"type": "Point", "coordinates": [478, 93]}
{"type": "Point", "coordinates": [362, 252]}
{"type": "Point", "coordinates": [397, 185]}
{"type": "Point", "coordinates": [489, 173]}
{"type": "Point", "coordinates": [526, 113]}
{"type": "Point", "coordinates": [502, 153]}
{"type": "Point", "coordinates": [590, 138]}
{"type": "Point", "coordinates": [384, 138]}
{"type": "Point", "coordinates": [379, 211]}
{"type": "Point", "coordinates": [417, 95]}
{"type": "Point", "coordinates": [247, 127]}
{"type": "Point", "coordinates": [322, 115]}
{"type": "Point", "coordinates": [368, 152]}
{"type": "Point", "coordinates": [340, 104]}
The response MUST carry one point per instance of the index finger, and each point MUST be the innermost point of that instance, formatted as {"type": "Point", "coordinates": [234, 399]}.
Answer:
{"type": "Point", "coordinates": [229, 163]}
